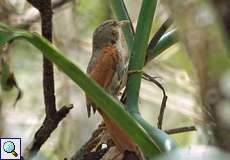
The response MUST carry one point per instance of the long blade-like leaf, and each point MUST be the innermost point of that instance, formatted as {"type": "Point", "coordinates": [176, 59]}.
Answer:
{"type": "Point", "coordinates": [166, 41]}
{"type": "Point", "coordinates": [157, 135]}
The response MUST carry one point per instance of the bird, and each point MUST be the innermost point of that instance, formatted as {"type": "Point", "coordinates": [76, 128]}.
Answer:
{"type": "Point", "coordinates": [108, 67]}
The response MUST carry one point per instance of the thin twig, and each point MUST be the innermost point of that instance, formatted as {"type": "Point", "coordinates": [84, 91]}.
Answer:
{"type": "Point", "coordinates": [127, 14]}
{"type": "Point", "coordinates": [181, 130]}
{"type": "Point", "coordinates": [164, 100]}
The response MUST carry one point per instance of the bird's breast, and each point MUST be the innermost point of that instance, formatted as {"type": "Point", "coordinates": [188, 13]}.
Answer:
{"type": "Point", "coordinates": [107, 67]}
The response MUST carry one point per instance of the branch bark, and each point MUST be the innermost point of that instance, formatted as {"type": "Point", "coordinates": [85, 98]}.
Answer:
{"type": "Point", "coordinates": [53, 117]}
{"type": "Point", "coordinates": [181, 130]}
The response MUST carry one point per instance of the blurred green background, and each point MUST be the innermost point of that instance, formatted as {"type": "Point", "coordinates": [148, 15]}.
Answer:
{"type": "Point", "coordinates": [73, 25]}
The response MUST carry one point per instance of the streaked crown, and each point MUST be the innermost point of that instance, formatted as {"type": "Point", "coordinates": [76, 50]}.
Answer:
{"type": "Point", "coordinates": [108, 33]}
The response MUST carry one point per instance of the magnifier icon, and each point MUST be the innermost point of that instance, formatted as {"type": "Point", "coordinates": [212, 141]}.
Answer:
{"type": "Point", "coordinates": [9, 147]}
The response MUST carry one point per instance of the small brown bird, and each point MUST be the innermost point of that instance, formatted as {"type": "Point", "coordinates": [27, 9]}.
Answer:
{"type": "Point", "coordinates": [107, 64]}
{"type": "Point", "coordinates": [107, 67]}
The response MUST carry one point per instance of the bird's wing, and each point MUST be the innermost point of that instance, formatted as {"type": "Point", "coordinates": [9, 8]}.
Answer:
{"type": "Point", "coordinates": [103, 69]}
{"type": "Point", "coordinates": [102, 72]}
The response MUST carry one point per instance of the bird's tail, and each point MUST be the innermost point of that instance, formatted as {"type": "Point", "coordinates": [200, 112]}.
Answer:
{"type": "Point", "coordinates": [120, 138]}
{"type": "Point", "coordinates": [89, 105]}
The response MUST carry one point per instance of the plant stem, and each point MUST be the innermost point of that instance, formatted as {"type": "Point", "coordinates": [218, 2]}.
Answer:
{"type": "Point", "coordinates": [138, 53]}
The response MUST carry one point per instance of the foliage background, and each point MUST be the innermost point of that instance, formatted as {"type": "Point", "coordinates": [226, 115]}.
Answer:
{"type": "Point", "coordinates": [74, 24]}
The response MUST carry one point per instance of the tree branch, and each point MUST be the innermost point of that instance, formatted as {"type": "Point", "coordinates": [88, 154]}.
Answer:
{"type": "Point", "coordinates": [45, 9]}
{"type": "Point", "coordinates": [181, 130]}
{"type": "Point", "coordinates": [164, 100]}
{"type": "Point", "coordinates": [53, 117]}
{"type": "Point", "coordinates": [44, 132]}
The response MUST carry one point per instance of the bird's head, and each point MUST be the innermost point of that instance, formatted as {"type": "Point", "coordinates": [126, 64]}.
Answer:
{"type": "Point", "coordinates": [108, 33]}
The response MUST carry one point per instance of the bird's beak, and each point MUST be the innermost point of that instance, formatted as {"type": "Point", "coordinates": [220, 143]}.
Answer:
{"type": "Point", "coordinates": [123, 23]}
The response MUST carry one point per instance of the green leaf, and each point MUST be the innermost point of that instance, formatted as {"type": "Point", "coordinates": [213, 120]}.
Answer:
{"type": "Point", "coordinates": [166, 41]}
{"type": "Point", "coordinates": [159, 137]}
{"type": "Point", "coordinates": [164, 142]}
{"type": "Point", "coordinates": [138, 53]}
